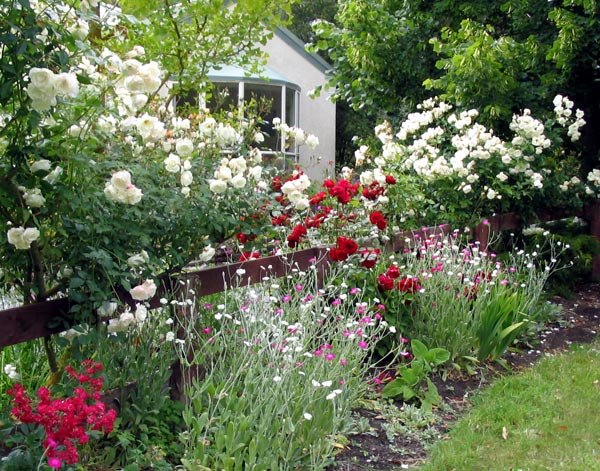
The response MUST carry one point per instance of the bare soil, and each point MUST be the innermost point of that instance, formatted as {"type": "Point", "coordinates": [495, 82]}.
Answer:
{"type": "Point", "coordinates": [374, 451]}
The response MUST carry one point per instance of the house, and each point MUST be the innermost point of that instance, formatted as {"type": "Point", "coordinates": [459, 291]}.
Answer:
{"type": "Point", "coordinates": [290, 74]}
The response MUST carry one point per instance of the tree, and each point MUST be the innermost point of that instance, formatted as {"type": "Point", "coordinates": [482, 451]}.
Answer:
{"type": "Point", "coordinates": [498, 56]}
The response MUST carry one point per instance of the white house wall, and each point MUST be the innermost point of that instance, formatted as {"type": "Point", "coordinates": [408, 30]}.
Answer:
{"type": "Point", "coordinates": [317, 115]}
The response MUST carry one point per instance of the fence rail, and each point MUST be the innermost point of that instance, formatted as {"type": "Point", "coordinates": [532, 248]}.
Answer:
{"type": "Point", "coordinates": [43, 319]}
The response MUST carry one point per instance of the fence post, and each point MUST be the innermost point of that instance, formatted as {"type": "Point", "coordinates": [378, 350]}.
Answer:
{"type": "Point", "coordinates": [481, 234]}
{"type": "Point", "coordinates": [593, 211]}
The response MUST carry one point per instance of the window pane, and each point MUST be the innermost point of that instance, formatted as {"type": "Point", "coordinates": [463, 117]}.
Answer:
{"type": "Point", "coordinates": [290, 107]}
{"type": "Point", "coordinates": [224, 97]}
{"type": "Point", "coordinates": [272, 95]}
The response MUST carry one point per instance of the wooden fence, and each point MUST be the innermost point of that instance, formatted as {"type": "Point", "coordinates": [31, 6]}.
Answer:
{"type": "Point", "coordinates": [42, 319]}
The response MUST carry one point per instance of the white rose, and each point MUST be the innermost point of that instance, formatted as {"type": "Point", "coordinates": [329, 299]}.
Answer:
{"type": "Point", "coordinates": [223, 173]}
{"type": "Point", "coordinates": [255, 172]}
{"type": "Point", "coordinates": [34, 198]}
{"type": "Point", "coordinates": [42, 165]}
{"type": "Point", "coordinates": [22, 237]}
{"type": "Point", "coordinates": [259, 138]}
{"type": "Point", "coordinates": [173, 163]}
{"type": "Point", "coordinates": [138, 259]}
{"type": "Point", "coordinates": [141, 313]}
{"type": "Point", "coordinates": [121, 180]}
{"type": "Point", "coordinates": [133, 195]}
{"type": "Point", "coordinates": [312, 141]}
{"type": "Point", "coordinates": [467, 189]}
{"type": "Point", "coordinates": [66, 84]}
{"type": "Point", "coordinates": [207, 254]}
{"type": "Point", "coordinates": [184, 147]}
{"type": "Point", "coordinates": [302, 204]}
{"type": "Point", "coordinates": [144, 291]}
{"type": "Point", "coordinates": [42, 78]}
{"type": "Point", "coordinates": [107, 309]}
{"type": "Point", "coordinates": [186, 178]}
{"type": "Point", "coordinates": [238, 181]}
{"type": "Point", "coordinates": [80, 30]}
{"type": "Point", "coordinates": [238, 165]}
{"type": "Point", "coordinates": [53, 175]}
{"type": "Point", "coordinates": [217, 186]}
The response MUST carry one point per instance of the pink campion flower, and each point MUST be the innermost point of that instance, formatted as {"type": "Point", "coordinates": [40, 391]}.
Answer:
{"type": "Point", "coordinates": [54, 462]}
{"type": "Point", "coordinates": [299, 287]}
{"type": "Point", "coordinates": [318, 352]}
{"type": "Point", "coordinates": [206, 330]}
{"type": "Point", "coordinates": [327, 347]}
{"type": "Point", "coordinates": [330, 356]}
{"type": "Point", "coordinates": [354, 290]}
{"type": "Point", "coordinates": [362, 344]}
{"type": "Point", "coordinates": [343, 362]}
{"type": "Point", "coordinates": [286, 298]}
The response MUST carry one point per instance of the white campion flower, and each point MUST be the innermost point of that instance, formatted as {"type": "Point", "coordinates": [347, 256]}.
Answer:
{"type": "Point", "coordinates": [34, 198]}
{"type": "Point", "coordinates": [184, 147]}
{"type": "Point", "coordinates": [173, 163]}
{"type": "Point", "coordinates": [170, 336]}
{"type": "Point", "coordinates": [144, 291]}
{"type": "Point", "coordinates": [22, 237]}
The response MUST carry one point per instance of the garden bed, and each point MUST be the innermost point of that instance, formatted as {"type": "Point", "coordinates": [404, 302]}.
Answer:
{"type": "Point", "coordinates": [373, 451]}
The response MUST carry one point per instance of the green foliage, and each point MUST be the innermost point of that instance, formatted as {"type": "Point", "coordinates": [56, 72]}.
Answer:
{"type": "Point", "coordinates": [412, 380]}
{"type": "Point", "coordinates": [500, 322]}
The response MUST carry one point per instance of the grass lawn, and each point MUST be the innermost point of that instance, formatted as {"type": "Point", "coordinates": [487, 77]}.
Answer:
{"type": "Point", "coordinates": [545, 418]}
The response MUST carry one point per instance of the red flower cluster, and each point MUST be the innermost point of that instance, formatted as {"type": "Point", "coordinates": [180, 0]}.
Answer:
{"type": "Point", "coordinates": [391, 279]}
{"type": "Point", "coordinates": [343, 249]}
{"type": "Point", "coordinates": [249, 255]}
{"type": "Point", "coordinates": [369, 257]}
{"type": "Point", "coordinates": [65, 420]}
{"type": "Point", "coordinates": [296, 236]}
{"type": "Point", "coordinates": [377, 219]}
{"type": "Point", "coordinates": [342, 190]}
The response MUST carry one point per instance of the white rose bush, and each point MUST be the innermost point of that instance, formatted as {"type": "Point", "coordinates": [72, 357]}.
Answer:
{"type": "Point", "coordinates": [456, 169]}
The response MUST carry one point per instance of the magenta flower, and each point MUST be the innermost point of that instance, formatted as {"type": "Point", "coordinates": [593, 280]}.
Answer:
{"type": "Point", "coordinates": [299, 287]}
{"type": "Point", "coordinates": [329, 356]}
{"type": "Point", "coordinates": [207, 330]}
{"type": "Point", "coordinates": [54, 462]}
{"type": "Point", "coordinates": [362, 344]}
{"type": "Point", "coordinates": [343, 362]}
{"type": "Point", "coordinates": [318, 352]}
{"type": "Point", "coordinates": [287, 298]}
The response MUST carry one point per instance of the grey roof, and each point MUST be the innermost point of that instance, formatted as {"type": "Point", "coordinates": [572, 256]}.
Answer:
{"type": "Point", "coordinates": [233, 73]}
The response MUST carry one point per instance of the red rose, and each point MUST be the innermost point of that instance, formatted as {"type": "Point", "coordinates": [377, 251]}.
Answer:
{"type": "Point", "coordinates": [338, 255]}
{"type": "Point", "coordinates": [393, 272]}
{"type": "Point", "coordinates": [390, 180]}
{"type": "Point", "coordinates": [385, 283]}
{"type": "Point", "coordinates": [376, 218]}
{"type": "Point", "coordinates": [347, 245]}
{"type": "Point", "coordinates": [409, 284]}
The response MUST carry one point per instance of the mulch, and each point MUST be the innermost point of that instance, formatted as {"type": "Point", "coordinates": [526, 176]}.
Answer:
{"type": "Point", "coordinates": [372, 451]}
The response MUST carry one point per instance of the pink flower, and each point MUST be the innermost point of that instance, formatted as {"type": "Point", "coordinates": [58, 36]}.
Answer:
{"type": "Point", "coordinates": [343, 362]}
{"type": "Point", "coordinates": [329, 356]}
{"type": "Point", "coordinates": [54, 462]}
{"type": "Point", "coordinates": [362, 344]}
{"type": "Point", "coordinates": [207, 330]}
{"type": "Point", "coordinates": [318, 352]}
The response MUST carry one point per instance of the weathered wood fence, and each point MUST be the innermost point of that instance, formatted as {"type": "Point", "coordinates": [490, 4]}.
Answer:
{"type": "Point", "coordinates": [43, 319]}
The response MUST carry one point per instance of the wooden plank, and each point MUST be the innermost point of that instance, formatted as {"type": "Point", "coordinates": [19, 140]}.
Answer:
{"type": "Point", "coordinates": [33, 321]}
